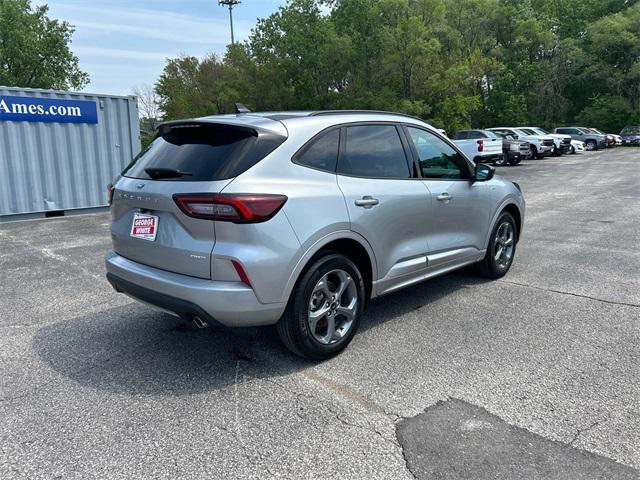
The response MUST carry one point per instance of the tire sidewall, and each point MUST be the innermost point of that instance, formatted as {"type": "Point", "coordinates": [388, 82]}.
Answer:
{"type": "Point", "coordinates": [493, 267]}
{"type": "Point", "coordinates": [300, 310]}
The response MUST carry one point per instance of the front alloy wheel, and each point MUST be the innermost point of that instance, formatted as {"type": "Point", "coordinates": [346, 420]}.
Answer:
{"type": "Point", "coordinates": [333, 307]}
{"type": "Point", "coordinates": [504, 244]}
{"type": "Point", "coordinates": [501, 249]}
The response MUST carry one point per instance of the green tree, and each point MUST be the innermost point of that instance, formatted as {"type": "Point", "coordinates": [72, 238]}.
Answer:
{"type": "Point", "coordinates": [35, 49]}
{"type": "Point", "coordinates": [455, 63]}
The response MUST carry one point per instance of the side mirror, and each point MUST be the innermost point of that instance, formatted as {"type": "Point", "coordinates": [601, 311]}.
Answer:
{"type": "Point", "coordinates": [483, 173]}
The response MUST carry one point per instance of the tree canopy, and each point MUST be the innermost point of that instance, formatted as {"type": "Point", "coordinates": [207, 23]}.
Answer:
{"type": "Point", "coordinates": [34, 49]}
{"type": "Point", "coordinates": [455, 63]}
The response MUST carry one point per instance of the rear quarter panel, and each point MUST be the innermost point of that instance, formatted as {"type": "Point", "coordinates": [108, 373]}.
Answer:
{"type": "Point", "coordinates": [274, 252]}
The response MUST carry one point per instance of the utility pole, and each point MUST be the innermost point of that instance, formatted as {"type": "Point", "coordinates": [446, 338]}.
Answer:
{"type": "Point", "coordinates": [230, 4]}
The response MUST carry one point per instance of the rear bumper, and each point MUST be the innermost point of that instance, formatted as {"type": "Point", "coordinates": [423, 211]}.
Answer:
{"type": "Point", "coordinates": [232, 304]}
{"type": "Point", "coordinates": [487, 158]}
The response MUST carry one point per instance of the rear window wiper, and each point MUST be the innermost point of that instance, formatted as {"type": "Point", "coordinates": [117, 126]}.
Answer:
{"type": "Point", "coordinates": [157, 173]}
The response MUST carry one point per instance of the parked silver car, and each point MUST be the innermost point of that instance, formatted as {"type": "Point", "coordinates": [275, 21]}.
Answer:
{"type": "Point", "coordinates": [298, 219]}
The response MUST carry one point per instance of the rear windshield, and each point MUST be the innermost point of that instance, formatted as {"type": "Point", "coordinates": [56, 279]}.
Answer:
{"type": "Point", "coordinates": [199, 152]}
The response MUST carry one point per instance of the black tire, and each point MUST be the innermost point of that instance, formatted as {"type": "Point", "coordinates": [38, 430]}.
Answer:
{"type": "Point", "coordinates": [534, 152]}
{"type": "Point", "coordinates": [501, 161]}
{"type": "Point", "coordinates": [591, 143]}
{"type": "Point", "coordinates": [515, 161]}
{"type": "Point", "coordinates": [489, 267]}
{"type": "Point", "coordinates": [294, 328]}
{"type": "Point", "coordinates": [573, 150]}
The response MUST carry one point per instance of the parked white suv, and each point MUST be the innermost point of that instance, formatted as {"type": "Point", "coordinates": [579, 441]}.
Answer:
{"type": "Point", "coordinates": [562, 143]}
{"type": "Point", "coordinates": [541, 145]}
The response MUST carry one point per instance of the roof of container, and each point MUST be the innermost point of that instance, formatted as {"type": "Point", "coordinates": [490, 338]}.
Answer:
{"type": "Point", "coordinates": [62, 92]}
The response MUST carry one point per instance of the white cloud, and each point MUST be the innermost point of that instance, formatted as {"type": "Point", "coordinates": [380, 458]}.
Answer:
{"type": "Point", "coordinates": [123, 54]}
{"type": "Point", "coordinates": [147, 23]}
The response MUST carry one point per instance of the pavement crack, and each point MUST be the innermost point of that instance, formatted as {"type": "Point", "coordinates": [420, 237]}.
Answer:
{"type": "Point", "coordinates": [582, 431]}
{"type": "Point", "coordinates": [561, 292]}
{"type": "Point", "coordinates": [246, 451]}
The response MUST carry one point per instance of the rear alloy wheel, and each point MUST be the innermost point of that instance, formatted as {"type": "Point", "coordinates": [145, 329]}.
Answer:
{"type": "Point", "coordinates": [325, 308]}
{"type": "Point", "coordinates": [591, 145]}
{"type": "Point", "coordinates": [501, 249]}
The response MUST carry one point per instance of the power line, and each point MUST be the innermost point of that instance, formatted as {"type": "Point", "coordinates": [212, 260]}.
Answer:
{"type": "Point", "coordinates": [230, 4]}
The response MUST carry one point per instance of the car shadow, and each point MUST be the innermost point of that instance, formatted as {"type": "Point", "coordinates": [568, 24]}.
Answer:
{"type": "Point", "coordinates": [136, 350]}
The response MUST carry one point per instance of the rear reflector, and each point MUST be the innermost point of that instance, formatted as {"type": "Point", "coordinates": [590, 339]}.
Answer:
{"type": "Point", "coordinates": [241, 273]}
{"type": "Point", "coordinates": [236, 208]}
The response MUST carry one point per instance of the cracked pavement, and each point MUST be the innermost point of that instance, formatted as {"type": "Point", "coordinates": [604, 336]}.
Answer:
{"type": "Point", "coordinates": [94, 385]}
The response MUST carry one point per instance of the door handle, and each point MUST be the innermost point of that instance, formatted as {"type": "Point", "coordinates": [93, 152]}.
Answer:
{"type": "Point", "coordinates": [367, 202]}
{"type": "Point", "coordinates": [444, 197]}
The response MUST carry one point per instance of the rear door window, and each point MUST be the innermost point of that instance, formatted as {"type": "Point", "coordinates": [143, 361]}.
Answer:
{"type": "Point", "coordinates": [374, 151]}
{"type": "Point", "coordinates": [201, 152]}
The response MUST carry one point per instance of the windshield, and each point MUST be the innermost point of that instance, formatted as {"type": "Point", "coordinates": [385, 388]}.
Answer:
{"type": "Point", "coordinates": [490, 134]}
{"type": "Point", "coordinates": [523, 132]}
{"type": "Point", "coordinates": [541, 131]}
{"type": "Point", "coordinates": [630, 131]}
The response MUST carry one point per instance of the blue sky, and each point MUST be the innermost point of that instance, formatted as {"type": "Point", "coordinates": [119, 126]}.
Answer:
{"type": "Point", "coordinates": [123, 44]}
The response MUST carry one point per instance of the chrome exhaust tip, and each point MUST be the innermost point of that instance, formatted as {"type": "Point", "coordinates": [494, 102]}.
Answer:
{"type": "Point", "coordinates": [198, 322]}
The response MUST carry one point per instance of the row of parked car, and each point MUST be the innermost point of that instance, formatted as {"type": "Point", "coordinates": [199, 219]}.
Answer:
{"type": "Point", "coordinates": [510, 145]}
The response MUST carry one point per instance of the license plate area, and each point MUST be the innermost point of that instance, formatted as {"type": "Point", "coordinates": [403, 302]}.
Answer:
{"type": "Point", "coordinates": [144, 226]}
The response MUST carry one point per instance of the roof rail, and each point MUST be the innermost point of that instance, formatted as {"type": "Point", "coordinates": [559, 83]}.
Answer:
{"type": "Point", "coordinates": [351, 112]}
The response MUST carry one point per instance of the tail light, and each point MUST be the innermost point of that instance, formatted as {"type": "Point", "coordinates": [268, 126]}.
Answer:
{"type": "Point", "coordinates": [236, 208]}
{"type": "Point", "coordinates": [480, 145]}
{"type": "Point", "coordinates": [110, 190]}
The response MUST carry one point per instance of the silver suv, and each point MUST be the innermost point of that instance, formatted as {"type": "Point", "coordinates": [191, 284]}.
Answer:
{"type": "Point", "coordinates": [299, 219]}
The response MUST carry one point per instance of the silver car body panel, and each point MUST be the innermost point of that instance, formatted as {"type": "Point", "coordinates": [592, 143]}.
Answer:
{"type": "Point", "coordinates": [409, 236]}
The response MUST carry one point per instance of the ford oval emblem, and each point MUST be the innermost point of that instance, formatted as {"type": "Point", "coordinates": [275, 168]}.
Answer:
{"type": "Point", "coordinates": [140, 186]}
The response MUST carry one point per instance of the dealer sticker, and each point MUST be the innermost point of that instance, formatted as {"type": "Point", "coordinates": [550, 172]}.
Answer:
{"type": "Point", "coordinates": [144, 226]}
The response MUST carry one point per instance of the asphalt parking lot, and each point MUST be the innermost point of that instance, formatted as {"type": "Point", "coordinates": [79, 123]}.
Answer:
{"type": "Point", "coordinates": [533, 376]}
